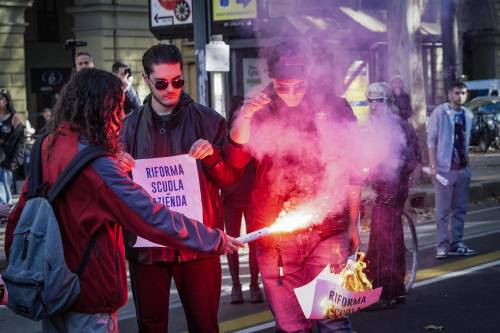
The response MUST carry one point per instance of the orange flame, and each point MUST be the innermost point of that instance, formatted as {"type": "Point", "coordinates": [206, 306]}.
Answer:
{"type": "Point", "coordinates": [352, 278]}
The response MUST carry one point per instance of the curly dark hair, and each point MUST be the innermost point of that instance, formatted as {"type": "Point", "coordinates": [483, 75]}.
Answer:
{"type": "Point", "coordinates": [92, 101]}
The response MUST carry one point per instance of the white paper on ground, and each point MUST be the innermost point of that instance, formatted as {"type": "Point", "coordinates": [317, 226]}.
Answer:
{"type": "Point", "coordinates": [315, 296]}
{"type": "Point", "coordinates": [172, 181]}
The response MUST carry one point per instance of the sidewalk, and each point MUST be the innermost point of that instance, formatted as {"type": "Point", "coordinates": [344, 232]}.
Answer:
{"type": "Point", "coordinates": [485, 184]}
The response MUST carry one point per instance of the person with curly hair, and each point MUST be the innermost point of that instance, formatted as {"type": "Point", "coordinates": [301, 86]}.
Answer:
{"type": "Point", "coordinates": [99, 201]}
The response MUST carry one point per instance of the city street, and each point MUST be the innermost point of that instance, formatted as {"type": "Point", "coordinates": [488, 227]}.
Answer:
{"type": "Point", "coordinates": [169, 119]}
{"type": "Point", "coordinates": [468, 286]}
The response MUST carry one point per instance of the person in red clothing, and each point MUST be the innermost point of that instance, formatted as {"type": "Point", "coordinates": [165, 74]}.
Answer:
{"type": "Point", "coordinates": [101, 200]}
{"type": "Point", "coordinates": [289, 261]}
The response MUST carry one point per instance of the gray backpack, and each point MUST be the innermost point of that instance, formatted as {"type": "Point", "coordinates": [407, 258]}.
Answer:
{"type": "Point", "coordinates": [37, 278]}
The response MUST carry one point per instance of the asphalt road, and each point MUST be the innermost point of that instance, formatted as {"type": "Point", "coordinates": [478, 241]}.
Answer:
{"type": "Point", "coordinates": [457, 295]}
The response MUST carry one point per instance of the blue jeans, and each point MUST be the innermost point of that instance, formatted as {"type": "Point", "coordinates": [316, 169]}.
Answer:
{"type": "Point", "coordinates": [451, 207]}
{"type": "Point", "coordinates": [304, 256]}
{"type": "Point", "coordinates": [81, 322]}
{"type": "Point", "coordinates": [5, 184]}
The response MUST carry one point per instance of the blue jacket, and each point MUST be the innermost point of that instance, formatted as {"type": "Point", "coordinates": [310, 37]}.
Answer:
{"type": "Point", "coordinates": [440, 134]}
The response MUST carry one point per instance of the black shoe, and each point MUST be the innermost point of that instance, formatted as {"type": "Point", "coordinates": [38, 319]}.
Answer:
{"type": "Point", "coordinates": [256, 295]}
{"type": "Point", "coordinates": [462, 250]}
{"type": "Point", "coordinates": [401, 299]}
{"type": "Point", "coordinates": [236, 295]}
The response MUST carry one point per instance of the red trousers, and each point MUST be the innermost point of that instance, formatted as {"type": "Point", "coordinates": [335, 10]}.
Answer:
{"type": "Point", "coordinates": [199, 286]}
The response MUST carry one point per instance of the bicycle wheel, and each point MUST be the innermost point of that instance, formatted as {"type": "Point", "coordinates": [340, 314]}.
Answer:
{"type": "Point", "coordinates": [411, 249]}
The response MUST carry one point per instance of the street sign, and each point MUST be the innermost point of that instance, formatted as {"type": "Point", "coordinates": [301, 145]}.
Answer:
{"type": "Point", "coordinates": [228, 10]}
{"type": "Point", "coordinates": [170, 12]}
{"type": "Point", "coordinates": [234, 17]}
{"type": "Point", "coordinates": [171, 18]}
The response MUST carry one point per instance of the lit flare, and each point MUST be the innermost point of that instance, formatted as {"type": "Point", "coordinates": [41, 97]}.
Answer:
{"type": "Point", "coordinates": [286, 222]}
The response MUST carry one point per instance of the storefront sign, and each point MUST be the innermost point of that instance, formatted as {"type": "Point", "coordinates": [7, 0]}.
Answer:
{"type": "Point", "coordinates": [228, 10]}
{"type": "Point", "coordinates": [255, 73]}
{"type": "Point", "coordinates": [170, 12]}
{"type": "Point", "coordinates": [173, 182]}
{"type": "Point", "coordinates": [49, 79]}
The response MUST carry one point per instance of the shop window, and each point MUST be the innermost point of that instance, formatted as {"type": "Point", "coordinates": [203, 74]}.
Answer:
{"type": "Point", "coordinates": [47, 21]}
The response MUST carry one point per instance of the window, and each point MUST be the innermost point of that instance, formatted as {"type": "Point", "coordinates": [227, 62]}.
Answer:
{"type": "Point", "coordinates": [47, 21]}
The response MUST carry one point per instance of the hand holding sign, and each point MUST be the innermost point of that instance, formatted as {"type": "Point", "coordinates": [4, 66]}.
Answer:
{"type": "Point", "coordinates": [201, 149]}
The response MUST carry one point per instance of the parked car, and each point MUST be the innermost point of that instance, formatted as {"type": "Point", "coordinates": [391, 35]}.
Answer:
{"type": "Point", "coordinates": [486, 127]}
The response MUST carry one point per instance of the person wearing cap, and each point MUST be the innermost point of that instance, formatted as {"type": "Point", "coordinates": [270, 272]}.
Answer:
{"type": "Point", "coordinates": [385, 257]}
{"type": "Point", "coordinates": [292, 260]}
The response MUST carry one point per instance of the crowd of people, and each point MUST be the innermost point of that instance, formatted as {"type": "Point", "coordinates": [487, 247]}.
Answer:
{"type": "Point", "coordinates": [104, 207]}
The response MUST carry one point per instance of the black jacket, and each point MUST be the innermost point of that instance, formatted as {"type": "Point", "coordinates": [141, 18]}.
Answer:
{"type": "Point", "coordinates": [189, 122]}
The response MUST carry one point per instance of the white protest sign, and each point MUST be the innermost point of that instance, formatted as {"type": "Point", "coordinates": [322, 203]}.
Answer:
{"type": "Point", "coordinates": [325, 291]}
{"type": "Point", "coordinates": [173, 182]}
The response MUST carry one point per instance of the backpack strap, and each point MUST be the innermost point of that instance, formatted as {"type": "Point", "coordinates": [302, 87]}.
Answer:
{"type": "Point", "coordinates": [84, 157]}
{"type": "Point", "coordinates": [34, 173]}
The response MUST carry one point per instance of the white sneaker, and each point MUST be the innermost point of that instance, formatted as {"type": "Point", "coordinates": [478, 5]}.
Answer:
{"type": "Point", "coordinates": [441, 253]}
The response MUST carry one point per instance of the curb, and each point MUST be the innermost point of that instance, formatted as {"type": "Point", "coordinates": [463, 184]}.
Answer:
{"type": "Point", "coordinates": [478, 191]}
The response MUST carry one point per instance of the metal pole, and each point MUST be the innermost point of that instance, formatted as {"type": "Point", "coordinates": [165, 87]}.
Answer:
{"type": "Point", "coordinates": [200, 40]}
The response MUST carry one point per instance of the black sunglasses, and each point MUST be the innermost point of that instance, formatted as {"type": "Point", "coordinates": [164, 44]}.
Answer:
{"type": "Point", "coordinates": [163, 84]}
{"type": "Point", "coordinates": [377, 100]}
{"type": "Point", "coordinates": [285, 89]}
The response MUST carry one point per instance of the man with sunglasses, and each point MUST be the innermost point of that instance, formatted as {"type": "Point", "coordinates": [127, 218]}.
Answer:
{"type": "Point", "coordinates": [171, 123]}
{"type": "Point", "coordinates": [289, 105]}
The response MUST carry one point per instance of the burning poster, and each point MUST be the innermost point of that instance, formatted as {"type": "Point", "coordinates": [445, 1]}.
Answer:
{"type": "Point", "coordinates": [335, 296]}
{"type": "Point", "coordinates": [173, 182]}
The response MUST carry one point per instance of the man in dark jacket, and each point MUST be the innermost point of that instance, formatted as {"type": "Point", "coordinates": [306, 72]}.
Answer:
{"type": "Point", "coordinates": [171, 123]}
